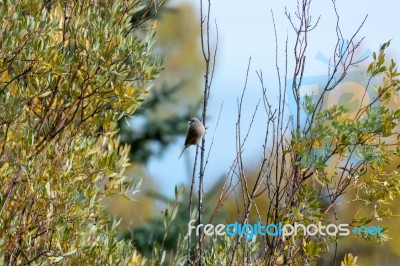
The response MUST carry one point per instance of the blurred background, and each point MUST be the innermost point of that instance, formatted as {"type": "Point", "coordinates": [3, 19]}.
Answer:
{"type": "Point", "coordinates": [157, 131]}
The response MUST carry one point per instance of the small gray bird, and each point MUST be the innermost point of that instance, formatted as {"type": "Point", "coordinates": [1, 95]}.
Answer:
{"type": "Point", "coordinates": [195, 133]}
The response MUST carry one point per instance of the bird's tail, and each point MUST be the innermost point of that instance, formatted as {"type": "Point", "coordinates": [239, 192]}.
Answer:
{"type": "Point", "coordinates": [182, 153]}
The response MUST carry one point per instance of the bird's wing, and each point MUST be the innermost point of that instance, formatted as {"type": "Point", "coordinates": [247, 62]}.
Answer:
{"type": "Point", "coordinates": [191, 136]}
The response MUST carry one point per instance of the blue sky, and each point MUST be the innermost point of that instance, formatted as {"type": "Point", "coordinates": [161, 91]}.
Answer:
{"type": "Point", "coordinates": [246, 30]}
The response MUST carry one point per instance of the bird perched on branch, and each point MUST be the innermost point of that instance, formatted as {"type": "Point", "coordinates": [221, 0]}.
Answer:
{"type": "Point", "coordinates": [195, 133]}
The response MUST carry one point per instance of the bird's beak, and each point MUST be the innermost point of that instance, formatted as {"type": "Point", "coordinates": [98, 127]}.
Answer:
{"type": "Point", "coordinates": [188, 122]}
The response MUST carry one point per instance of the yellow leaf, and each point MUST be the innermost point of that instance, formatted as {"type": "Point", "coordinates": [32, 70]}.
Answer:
{"type": "Point", "coordinates": [5, 77]}
{"type": "Point", "coordinates": [349, 260]}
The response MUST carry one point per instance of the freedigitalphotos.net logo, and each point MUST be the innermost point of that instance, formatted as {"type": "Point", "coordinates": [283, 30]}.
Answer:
{"type": "Point", "coordinates": [282, 230]}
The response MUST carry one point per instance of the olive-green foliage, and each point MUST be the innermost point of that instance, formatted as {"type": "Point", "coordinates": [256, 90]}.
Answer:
{"type": "Point", "coordinates": [344, 163]}
{"type": "Point", "coordinates": [358, 149]}
{"type": "Point", "coordinates": [67, 68]}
